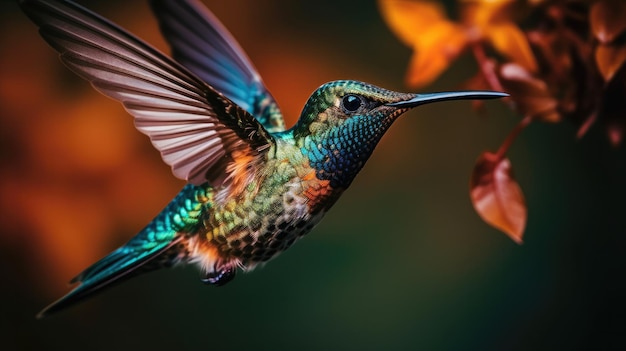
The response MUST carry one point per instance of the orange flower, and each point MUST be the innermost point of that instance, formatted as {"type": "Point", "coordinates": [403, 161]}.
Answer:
{"type": "Point", "coordinates": [438, 41]}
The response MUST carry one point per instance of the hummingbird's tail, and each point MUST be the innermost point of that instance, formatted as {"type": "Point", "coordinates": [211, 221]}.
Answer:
{"type": "Point", "coordinates": [162, 243]}
{"type": "Point", "coordinates": [119, 265]}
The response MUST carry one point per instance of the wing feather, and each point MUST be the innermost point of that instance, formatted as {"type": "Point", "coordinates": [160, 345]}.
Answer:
{"type": "Point", "coordinates": [197, 129]}
{"type": "Point", "coordinates": [201, 43]}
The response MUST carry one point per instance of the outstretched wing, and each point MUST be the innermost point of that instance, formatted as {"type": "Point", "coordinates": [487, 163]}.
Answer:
{"type": "Point", "coordinates": [198, 131]}
{"type": "Point", "coordinates": [202, 44]}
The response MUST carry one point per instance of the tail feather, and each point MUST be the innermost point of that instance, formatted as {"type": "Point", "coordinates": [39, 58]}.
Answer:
{"type": "Point", "coordinates": [123, 263]}
{"type": "Point", "coordinates": [162, 243]}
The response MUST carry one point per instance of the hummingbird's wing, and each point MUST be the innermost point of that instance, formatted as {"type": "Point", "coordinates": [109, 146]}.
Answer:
{"type": "Point", "coordinates": [200, 133]}
{"type": "Point", "coordinates": [202, 44]}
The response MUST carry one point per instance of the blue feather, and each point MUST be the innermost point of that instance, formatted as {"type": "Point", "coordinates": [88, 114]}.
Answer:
{"type": "Point", "coordinates": [204, 46]}
{"type": "Point", "coordinates": [160, 244]}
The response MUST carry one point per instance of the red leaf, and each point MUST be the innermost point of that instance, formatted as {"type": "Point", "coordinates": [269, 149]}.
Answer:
{"type": "Point", "coordinates": [532, 95]}
{"type": "Point", "coordinates": [616, 134]}
{"type": "Point", "coordinates": [610, 58]}
{"type": "Point", "coordinates": [608, 20]}
{"type": "Point", "coordinates": [497, 197]}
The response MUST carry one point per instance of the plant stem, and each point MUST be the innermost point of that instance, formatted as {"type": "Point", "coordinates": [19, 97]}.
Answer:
{"type": "Point", "coordinates": [486, 66]}
{"type": "Point", "coordinates": [504, 148]}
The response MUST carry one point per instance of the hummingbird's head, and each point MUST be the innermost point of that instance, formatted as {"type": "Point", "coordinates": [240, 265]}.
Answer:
{"type": "Point", "coordinates": [343, 121]}
{"type": "Point", "coordinates": [346, 102]}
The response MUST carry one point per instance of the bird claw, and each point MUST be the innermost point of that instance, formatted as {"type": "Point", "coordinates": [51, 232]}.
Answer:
{"type": "Point", "coordinates": [220, 276]}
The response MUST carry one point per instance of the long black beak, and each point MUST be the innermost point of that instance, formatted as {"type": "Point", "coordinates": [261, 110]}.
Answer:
{"type": "Point", "coordinates": [421, 99]}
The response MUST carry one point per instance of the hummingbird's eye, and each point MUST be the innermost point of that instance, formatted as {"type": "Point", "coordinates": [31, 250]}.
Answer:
{"type": "Point", "coordinates": [351, 103]}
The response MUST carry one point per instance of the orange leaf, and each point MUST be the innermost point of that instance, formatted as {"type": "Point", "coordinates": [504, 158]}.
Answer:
{"type": "Point", "coordinates": [509, 40]}
{"type": "Point", "coordinates": [609, 59]}
{"type": "Point", "coordinates": [434, 52]}
{"type": "Point", "coordinates": [608, 19]}
{"type": "Point", "coordinates": [497, 197]}
{"type": "Point", "coordinates": [409, 19]}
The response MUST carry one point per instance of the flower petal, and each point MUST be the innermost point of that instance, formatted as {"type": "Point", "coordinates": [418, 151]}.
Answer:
{"type": "Point", "coordinates": [509, 40]}
{"type": "Point", "coordinates": [409, 19]}
{"type": "Point", "coordinates": [437, 48]}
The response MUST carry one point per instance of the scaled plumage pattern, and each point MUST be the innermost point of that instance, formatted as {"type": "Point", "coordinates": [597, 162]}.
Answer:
{"type": "Point", "coordinates": [254, 187]}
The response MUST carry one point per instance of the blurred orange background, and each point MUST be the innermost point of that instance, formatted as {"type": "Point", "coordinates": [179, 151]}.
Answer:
{"type": "Point", "coordinates": [402, 261]}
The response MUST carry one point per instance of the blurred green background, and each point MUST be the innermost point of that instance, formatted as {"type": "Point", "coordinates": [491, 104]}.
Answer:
{"type": "Point", "coordinates": [401, 262]}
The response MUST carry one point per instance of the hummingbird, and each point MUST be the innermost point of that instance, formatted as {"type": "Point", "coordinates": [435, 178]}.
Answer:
{"type": "Point", "coordinates": [253, 187]}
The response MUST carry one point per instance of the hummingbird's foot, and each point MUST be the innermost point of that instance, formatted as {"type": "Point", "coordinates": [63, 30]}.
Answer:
{"type": "Point", "coordinates": [220, 276]}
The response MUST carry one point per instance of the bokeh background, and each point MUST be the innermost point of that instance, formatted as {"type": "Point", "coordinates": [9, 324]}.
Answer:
{"type": "Point", "coordinates": [402, 261]}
